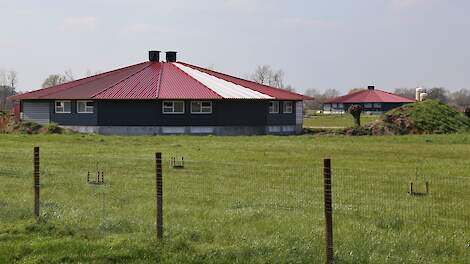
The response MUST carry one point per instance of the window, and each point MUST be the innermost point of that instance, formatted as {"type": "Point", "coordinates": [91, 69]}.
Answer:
{"type": "Point", "coordinates": [377, 105]}
{"type": "Point", "coordinates": [287, 107]}
{"type": "Point", "coordinates": [173, 107]}
{"type": "Point", "coordinates": [335, 105]}
{"type": "Point", "coordinates": [273, 107]}
{"type": "Point", "coordinates": [368, 105]}
{"type": "Point", "coordinates": [340, 106]}
{"type": "Point", "coordinates": [201, 107]}
{"type": "Point", "coordinates": [63, 107]}
{"type": "Point", "coordinates": [85, 107]}
{"type": "Point", "coordinates": [327, 107]}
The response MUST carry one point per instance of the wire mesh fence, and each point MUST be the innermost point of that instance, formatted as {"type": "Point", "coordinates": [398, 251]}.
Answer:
{"type": "Point", "coordinates": [264, 207]}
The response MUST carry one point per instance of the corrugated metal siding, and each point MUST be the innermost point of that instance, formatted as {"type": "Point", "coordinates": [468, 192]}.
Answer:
{"type": "Point", "coordinates": [279, 94]}
{"type": "Point", "coordinates": [176, 84]}
{"type": "Point", "coordinates": [299, 113]}
{"type": "Point", "coordinates": [141, 85]}
{"type": "Point", "coordinates": [222, 87]}
{"type": "Point", "coordinates": [37, 111]}
{"type": "Point", "coordinates": [161, 80]}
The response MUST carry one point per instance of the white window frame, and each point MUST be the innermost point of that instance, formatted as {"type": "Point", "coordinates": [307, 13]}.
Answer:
{"type": "Point", "coordinates": [271, 104]}
{"type": "Point", "coordinates": [86, 107]}
{"type": "Point", "coordinates": [291, 107]}
{"type": "Point", "coordinates": [368, 105]}
{"type": "Point", "coordinates": [377, 105]}
{"type": "Point", "coordinates": [172, 107]}
{"type": "Point", "coordinates": [201, 107]}
{"type": "Point", "coordinates": [62, 102]}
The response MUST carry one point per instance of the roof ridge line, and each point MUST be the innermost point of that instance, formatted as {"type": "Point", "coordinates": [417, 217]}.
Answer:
{"type": "Point", "coordinates": [173, 64]}
{"type": "Point", "coordinates": [267, 86]}
{"type": "Point", "coordinates": [159, 85]}
{"type": "Point", "coordinates": [81, 79]}
{"type": "Point", "coordinates": [123, 79]}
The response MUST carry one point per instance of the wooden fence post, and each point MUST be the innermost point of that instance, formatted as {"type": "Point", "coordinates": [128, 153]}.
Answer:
{"type": "Point", "coordinates": [159, 195]}
{"type": "Point", "coordinates": [328, 211]}
{"type": "Point", "coordinates": [37, 185]}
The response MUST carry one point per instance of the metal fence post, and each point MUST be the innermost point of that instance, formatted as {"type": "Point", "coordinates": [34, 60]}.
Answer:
{"type": "Point", "coordinates": [159, 195]}
{"type": "Point", "coordinates": [37, 185]}
{"type": "Point", "coordinates": [328, 211]}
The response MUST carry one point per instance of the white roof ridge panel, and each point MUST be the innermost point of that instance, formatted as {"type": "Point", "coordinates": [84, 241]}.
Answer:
{"type": "Point", "coordinates": [226, 89]}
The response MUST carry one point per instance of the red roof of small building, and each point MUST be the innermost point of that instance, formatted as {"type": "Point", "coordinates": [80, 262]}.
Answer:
{"type": "Point", "coordinates": [371, 96]}
{"type": "Point", "coordinates": [161, 80]}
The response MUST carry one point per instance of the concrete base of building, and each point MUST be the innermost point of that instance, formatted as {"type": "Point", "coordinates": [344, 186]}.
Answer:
{"type": "Point", "coordinates": [192, 130]}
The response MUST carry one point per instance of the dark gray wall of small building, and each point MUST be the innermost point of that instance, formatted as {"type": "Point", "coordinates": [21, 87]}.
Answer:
{"type": "Point", "coordinates": [74, 118]}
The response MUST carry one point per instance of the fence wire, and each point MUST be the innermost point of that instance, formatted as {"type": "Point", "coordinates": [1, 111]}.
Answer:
{"type": "Point", "coordinates": [264, 206]}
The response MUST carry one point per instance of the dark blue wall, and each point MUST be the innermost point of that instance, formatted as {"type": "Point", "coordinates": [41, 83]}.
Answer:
{"type": "Point", "coordinates": [74, 118]}
{"type": "Point", "coordinates": [149, 113]}
{"type": "Point", "coordinates": [385, 107]}
{"type": "Point", "coordinates": [281, 118]}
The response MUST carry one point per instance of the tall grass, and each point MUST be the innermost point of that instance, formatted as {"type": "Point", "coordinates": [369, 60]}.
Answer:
{"type": "Point", "coordinates": [238, 199]}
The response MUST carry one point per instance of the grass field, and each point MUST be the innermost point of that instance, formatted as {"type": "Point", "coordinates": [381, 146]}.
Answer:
{"type": "Point", "coordinates": [335, 121]}
{"type": "Point", "coordinates": [238, 199]}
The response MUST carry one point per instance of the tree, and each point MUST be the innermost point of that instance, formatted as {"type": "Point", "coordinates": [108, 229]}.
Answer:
{"type": "Point", "coordinates": [354, 90]}
{"type": "Point", "coordinates": [467, 111]}
{"type": "Point", "coordinates": [266, 75]}
{"type": "Point", "coordinates": [406, 92]}
{"type": "Point", "coordinates": [56, 79]}
{"type": "Point", "coordinates": [460, 99]}
{"type": "Point", "coordinates": [438, 93]}
{"type": "Point", "coordinates": [355, 111]}
{"type": "Point", "coordinates": [8, 82]}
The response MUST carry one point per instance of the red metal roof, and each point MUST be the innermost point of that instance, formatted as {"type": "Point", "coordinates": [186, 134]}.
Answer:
{"type": "Point", "coordinates": [159, 80]}
{"type": "Point", "coordinates": [268, 90]}
{"type": "Point", "coordinates": [176, 84]}
{"type": "Point", "coordinates": [371, 96]}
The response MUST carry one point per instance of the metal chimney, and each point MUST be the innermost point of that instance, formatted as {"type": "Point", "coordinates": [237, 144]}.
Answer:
{"type": "Point", "coordinates": [170, 56]}
{"type": "Point", "coordinates": [154, 55]}
{"type": "Point", "coordinates": [370, 87]}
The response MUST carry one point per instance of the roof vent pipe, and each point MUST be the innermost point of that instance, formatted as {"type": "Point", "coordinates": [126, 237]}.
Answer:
{"type": "Point", "coordinates": [154, 55]}
{"type": "Point", "coordinates": [171, 56]}
{"type": "Point", "coordinates": [370, 87]}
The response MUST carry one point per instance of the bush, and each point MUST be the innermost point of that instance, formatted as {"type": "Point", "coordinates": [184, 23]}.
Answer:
{"type": "Point", "coordinates": [426, 117]}
{"type": "Point", "coordinates": [53, 128]}
{"type": "Point", "coordinates": [29, 127]}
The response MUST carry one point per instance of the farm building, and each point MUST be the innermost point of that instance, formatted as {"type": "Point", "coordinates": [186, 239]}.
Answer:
{"type": "Point", "coordinates": [372, 100]}
{"type": "Point", "coordinates": [171, 97]}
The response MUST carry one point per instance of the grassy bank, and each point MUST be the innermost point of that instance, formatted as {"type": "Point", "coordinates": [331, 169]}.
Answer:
{"type": "Point", "coordinates": [238, 199]}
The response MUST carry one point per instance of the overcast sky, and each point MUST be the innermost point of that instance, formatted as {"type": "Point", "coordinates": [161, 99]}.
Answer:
{"type": "Point", "coordinates": [318, 44]}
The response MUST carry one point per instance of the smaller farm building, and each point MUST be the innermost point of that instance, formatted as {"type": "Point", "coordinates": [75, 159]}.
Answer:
{"type": "Point", "coordinates": [372, 100]}
{"type": "Point", "coordinates": [165, 97]}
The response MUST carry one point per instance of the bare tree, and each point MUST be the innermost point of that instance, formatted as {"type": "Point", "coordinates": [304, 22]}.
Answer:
{"type": "Point", "coordinates": [89, 73]}
{"type": "Point", "coordinates": [406, 92]}
{"type": "Point", "coordinates": [438, 93]}
{"type": "Point", "coordinates": [354, 90]}
{"type": "Point", "coordinates": [460, 99]}
{"type": "Point", "coordinates": [56, 79]}
{"type": "Point", "coordinates": [266, 75]}
{"type": "Point", "coordinates": [8, 82]}
{"type": "Point", "coordinates": [319, 98]}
